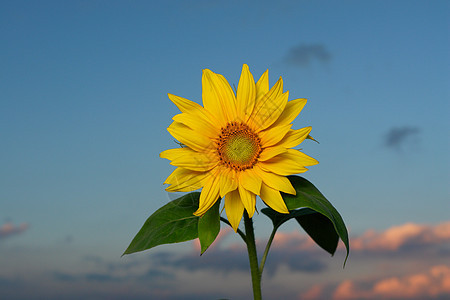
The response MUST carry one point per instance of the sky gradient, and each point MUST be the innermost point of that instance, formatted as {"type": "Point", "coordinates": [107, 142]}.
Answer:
{"type": "Point", "coordinates": [84, 112]}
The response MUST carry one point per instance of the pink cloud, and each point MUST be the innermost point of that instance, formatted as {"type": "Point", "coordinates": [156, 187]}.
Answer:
{"type": "Point", "coordinates": [395, 237]}
{"type": "Point", "coordinates": [435, 282]}
{"type": "Point", "coordinates": [294, 240]}
{"type": "Point", "coordinates": [8, 229]}
{"type": "Point", "coordinates": [392, 239]}
{"type": "Point", "coordinates": [315, 292]}
{"type": "Point", "coordinates": [222, 234]}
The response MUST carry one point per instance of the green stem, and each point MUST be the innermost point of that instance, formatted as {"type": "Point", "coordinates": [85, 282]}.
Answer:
{"type": "Point", "coordinates": [252, 256]}
{"type": "Point", "coordinates": [266, 251]}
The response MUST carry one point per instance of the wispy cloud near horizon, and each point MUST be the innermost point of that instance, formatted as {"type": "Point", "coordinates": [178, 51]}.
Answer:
{"type": "Point", "coordinates": [433, 283]}
{"type": "Point", "coordinates": [9, 229]}
{"type": "Point", "coordinates": [394, 256]}
{"type": "Point", "coordinates": [395, 248]}
{"type": "Point", "coordinates": [403, 236]}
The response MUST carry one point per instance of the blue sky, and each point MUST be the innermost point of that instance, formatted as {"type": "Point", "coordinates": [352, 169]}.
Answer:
{"type": "Point", "coordinates": [84, 112]}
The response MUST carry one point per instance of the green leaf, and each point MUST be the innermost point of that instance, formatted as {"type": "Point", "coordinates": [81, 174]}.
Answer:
{"type": "Point", "coordinates": [321, 230]}
{"type": "Point", "coordinates": [317, 226]}
{"type": "Point", "coordinates": [278, 218]}
{"type": "Point", "coordinates": [209, 226]}
{"type": "Point", "coordinates": [172, 223]}
{"type": "Point", "coordinates": [309, 196]}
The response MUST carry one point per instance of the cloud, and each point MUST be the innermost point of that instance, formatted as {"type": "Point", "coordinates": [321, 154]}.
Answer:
{"type": "Point", "coordinates": [315, 292]}
{"type": "Point", "coordinates": [8, 229]}
{"type": "Point", "coordinates": [405, 236]}
{"type": "Point", "coordinates": [398, 137]}
{"type": "Point", "coordinates": [229, 257]}
{"type": "Point", "coordinates": [408, 238]}
{"type": "Point", "coordinates": [302, 55]}
{"type": "Point", "coordinates": [294, 264]}
{"type": "Point", "coordinates": [91, 277]}
{"type": "Point", "coordinates": [401, 237]}
{"type": "Point", "coordinates": [120, 273]}
{"type": "Point", "coordinates": [294, 240]}
{"type": "Point", "coordinates": [397, 250]}
{"type": "Point", "coordinates": [431, 284]}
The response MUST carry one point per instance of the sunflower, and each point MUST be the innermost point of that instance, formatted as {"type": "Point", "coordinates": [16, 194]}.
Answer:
{"type": "Point", "coordinates": [237, 146]}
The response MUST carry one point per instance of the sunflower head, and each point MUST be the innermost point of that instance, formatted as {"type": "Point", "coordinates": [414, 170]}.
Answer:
{"type": "Point", "coordinates": [237, 146]}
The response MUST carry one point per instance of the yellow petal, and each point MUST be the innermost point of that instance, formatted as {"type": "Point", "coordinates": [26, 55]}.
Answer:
{"type": "Point", "coordinates": [228, 181]}
{"type": "Point", "coordinates": [291, 111]}
{"type": "Point", "coordinates": [184, 180]}
{"type": "Point", "coordinates": [192, 108]}
{"type": "Point", "coordinates": [246, 94]}
{"type": "Point", "coordinates": [172, 154]}
{"type": "Point", "coordinates": [183, 104]}
{"type": "Point", "coordinates": [294, 137]}
{"type": "Point", "coordinates": [269, 108]}
{"type": "Point", "coordinates": [209, 195]}
{"type": "Point", "coordinates": [218, 97]}
{"type": "Point", "coordinates": [273, 199]}
{"type": "Point", "coordinates": [282, 164]}
{"type": "Point", "coordinates": [262, 86]}
{"type": "Point", "coordinates": [228, 98]}
{"type": "Point", "coordinates": [234, 208]}
{"type": "Point", "coordinates": [250, 181]}
{"type": "Point", "coordinates": [248, 199]}
{"type": "Point", "coordinates": [277, 182]}
{"type": "Point", "coordinates": [262, 96]}
{"type": "Point", "coordinates": [190, 138]}
{"type": "Point", "coordinates": [288, 163]}
{"type": "Point", "coordinates": [270, 152]}
{"type": "Point", "coordinates": [273, 135]}
{"type": "Point", "coordinates": [196, 161]}
{"type": "Point", "coordinates": [199, 123]}
{"type": "Point", "coordinates": [300, 157]}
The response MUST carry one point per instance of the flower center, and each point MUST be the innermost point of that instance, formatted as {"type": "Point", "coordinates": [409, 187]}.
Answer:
{"type": "Point", "coordinates": [238, 146]}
